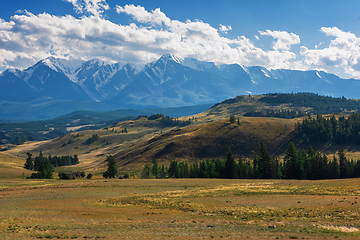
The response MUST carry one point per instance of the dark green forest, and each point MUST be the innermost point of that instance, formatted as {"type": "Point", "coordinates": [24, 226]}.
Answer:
{"type": "Point", "coordinates": [276, 113]}
{"type": "Point", "coordinates": [319, 104]}
{"type": "Point", "coordinates": [45, 165]}
{"type": "Point", "coordinates": [297, 164]}
{"type": "Point", "coordinates": [342, 130]}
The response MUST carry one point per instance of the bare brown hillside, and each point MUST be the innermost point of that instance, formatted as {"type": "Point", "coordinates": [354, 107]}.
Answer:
{"type": "Point", "coordinates": [210, 140]}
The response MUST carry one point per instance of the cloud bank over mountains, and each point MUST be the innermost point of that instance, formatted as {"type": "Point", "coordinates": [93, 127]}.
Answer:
{"type": "Point", "coordinates": [27, 38]}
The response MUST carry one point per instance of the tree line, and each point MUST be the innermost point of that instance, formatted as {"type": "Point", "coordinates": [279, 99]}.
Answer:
{"type": "Point", "coordinates": [319, 104]}
{"type": "Point", "coordinates": [297, 164]}
{"type": "Point", "coordinates": [45, 165]}
{"type": "Point", "coordinates": [276, 113]}
{"type": "Point", "coordinates": [342, 130]}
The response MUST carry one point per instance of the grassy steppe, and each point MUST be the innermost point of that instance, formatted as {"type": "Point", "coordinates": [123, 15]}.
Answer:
{"type": "Point", "coordinates": [179, 209]}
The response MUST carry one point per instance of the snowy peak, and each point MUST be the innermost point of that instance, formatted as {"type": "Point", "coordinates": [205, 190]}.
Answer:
{"type": "Point", "coordinates": [13, 71]}
{"type": "Point", "coordinates": [168, 81]}
{"type": "Point", "coordinates": [197, 65]}
{"type": "Point", "coordinates": [165, 61]}
{"type": "Point", "coordinates": [170, 57]}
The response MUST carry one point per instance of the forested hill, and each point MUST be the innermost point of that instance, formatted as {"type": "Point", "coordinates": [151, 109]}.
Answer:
{"type": "Point", "coordinates": [283, 105]}
{"type": "Point", "coordinates": [319, 104]}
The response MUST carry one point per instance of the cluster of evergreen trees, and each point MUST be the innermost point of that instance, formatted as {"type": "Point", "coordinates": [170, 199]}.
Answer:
{"type": "Point", "coordinates": [74, 175]}
{"type": "Point", "coordinates": [319, 104]}
{"type": "Point", "coordinates": [166, 121]}
{"type": "Point", "coordinates": [92, 139]}
{"type": "Point", "coordinates": [341, 130]}
{"type": "Point", "coordinates": [171, 122]}
{"type": "Point", "coordinates": [41, 164]}
{"type": "Point", "coordinates": [45, 165]}
{"type": "Point", "coordinates": [276, 113]}
{"type": "Point", "coordinates": [63, 160]}
{"type": "Point", "coordinates": [295, 165]}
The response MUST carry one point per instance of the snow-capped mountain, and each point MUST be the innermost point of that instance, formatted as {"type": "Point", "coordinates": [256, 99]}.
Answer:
{"type": "Point", "coordinates": [167, 82]}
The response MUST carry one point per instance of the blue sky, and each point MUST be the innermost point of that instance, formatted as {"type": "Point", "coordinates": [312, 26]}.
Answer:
{"type": "Point", "coordinates": [288, 34]}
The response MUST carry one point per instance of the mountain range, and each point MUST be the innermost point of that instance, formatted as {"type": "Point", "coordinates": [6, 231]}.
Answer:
{"type": "Point", "coordinates": [167, 82]}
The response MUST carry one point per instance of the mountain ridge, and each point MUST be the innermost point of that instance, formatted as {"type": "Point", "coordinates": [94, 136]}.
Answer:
{"type": "Point", "coordinates": [169, 81]}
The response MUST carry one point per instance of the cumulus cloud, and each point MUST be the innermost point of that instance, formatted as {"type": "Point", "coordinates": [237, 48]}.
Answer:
{"type": "Point", "coordinates": [94, 7]}
{"type": "Point", "coordinates": [283, 39]}
{"type": "Point", "coordinates": [28, 38]}
{"type": "Point", "coordinates": [224, 28]}
{"type": "Point", "coordinates": [343, 52]}
{"type": "Point", "coordinates": [201, 40]}
{"type": "Point", "coordinates": [141, 15]}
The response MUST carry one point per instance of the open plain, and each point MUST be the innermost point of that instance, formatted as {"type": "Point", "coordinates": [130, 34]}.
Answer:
{"type": "Point", "coordinates": [179, 209]}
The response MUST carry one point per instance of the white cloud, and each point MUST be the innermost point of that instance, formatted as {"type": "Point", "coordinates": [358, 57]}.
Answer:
{"type": "Point", "coordinates": [141, 15]}
{"type": "Point", "coordinates": [34, 37]}
{"type": "Point", "coordinates": [28, 38]}
{"type": "Point", "coordinates": [343, 52]}
{"type": "Point", "coordinates": [94, 7]}
{"type": "Point", "coordinates": [225, 28]}
{"type": "Point", "coordinates": [284, 39]}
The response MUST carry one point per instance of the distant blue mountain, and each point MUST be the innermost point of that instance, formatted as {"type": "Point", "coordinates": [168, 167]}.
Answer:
{"type": "Point", "coordinates": [168, 82]}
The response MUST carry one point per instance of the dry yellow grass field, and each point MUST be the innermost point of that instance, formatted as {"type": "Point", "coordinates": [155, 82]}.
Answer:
{"type": "Point", "coordinates": [179, 209]}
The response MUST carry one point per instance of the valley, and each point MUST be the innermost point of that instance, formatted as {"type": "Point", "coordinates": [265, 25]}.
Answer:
{"type": "Point", "coordinates": [179, 120]}
{"type": "Point", "coordinates": [206, 135]}
{"type": "Point", "coordinates": [176, 208]}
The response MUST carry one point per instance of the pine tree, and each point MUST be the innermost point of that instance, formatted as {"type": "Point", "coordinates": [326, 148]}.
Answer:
{"type": "Point", "coordinates": [203, 171]}
{"type": "Point", "coordinates": [29, 162]}
{"type": "Point", "coordinates": [174, 170]}
{"type": "Point", "coordinates": [241, 168]}
{"type": "Point", "coordinates": [293, 165]}
{"type": "Point", "coordinates": [263, 163]}
{"type": "Point", "coordinates": [334, 168]}
{"type": "Point", "coordinates": [232, 119]}
{"type": "Point", "coordinates": [111, 171]}
{"type": "Point", "coordinates": [194, 171]}
{"type": "Point", "coordinates": [343, 163]}
{"type": "Point", "coordinates": [230, 166]}
{"type": "Point", "coordinates": [146, 171]}
{"type": "Point", "coordinates": [155, 168]}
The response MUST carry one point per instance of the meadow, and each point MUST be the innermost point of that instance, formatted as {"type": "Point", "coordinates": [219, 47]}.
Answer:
{"type": "Point", "coordinates": [179, 209]}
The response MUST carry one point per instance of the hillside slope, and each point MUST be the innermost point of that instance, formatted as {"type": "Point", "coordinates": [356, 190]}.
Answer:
{"type": "Point", "coordinates": [210, 140]}
{"type": "Point", "coordinates": [203, 136]}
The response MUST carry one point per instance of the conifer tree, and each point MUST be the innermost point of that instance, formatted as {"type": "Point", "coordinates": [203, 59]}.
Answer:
{"type": "Point", "coordinates": [155, 168]}
{"type": "Point", "coordinates": [174, 170]}
{"type": "Point", "coordinates": [263, 163]}
{"type": "Point", "coordinates": [29, 162]}
{"type": "Point", "coordinates": [293, 165]}
{"type": "Point", "coordinates": [230, 166]}
{"type": "Point", "coordinates": [232, 119]}
{"type": "Point", "coordinates": [111, 171]}
{"type": "Point", "coordinates": [343, 163]}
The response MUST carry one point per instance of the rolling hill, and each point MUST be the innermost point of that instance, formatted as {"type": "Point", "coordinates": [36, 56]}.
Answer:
{"type": "Point", "coordinates": [206, 135]}
{"type": "Point", "coordinates": [15, 132]}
